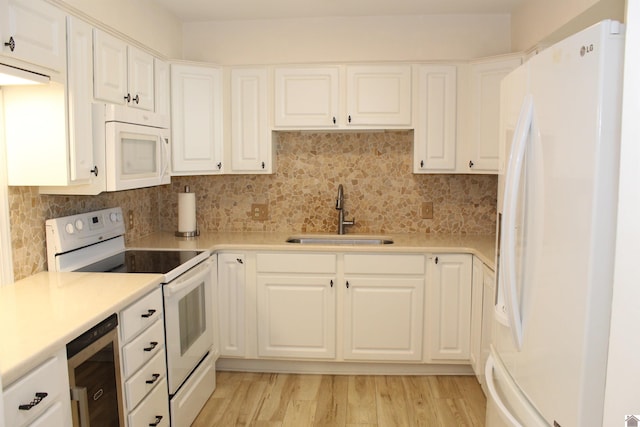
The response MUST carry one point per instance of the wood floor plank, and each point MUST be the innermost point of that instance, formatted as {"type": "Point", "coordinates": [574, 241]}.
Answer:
{"type": "Point", "coordinates": [332, 405]}
{"type": "Point", "coordinates": [391, 402]}
{"type": "Point", "coordinates": [274, 404]}
{"type": "Point", "coordinates": [420, 401]}
{"type": "Point", "coordinates": [361, 400]}
{"type": "Point", "coordinates": [300, 413]}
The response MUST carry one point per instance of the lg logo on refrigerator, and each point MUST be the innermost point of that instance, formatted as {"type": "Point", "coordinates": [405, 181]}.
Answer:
{"type": "Point", "coordinates": [586, 49]}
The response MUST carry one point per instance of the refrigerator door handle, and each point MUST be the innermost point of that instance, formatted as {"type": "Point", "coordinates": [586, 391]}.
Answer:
{"type": "Point", "coordinates": [509, 210]}
{"type": "Point", "coordinates": [488, 374]}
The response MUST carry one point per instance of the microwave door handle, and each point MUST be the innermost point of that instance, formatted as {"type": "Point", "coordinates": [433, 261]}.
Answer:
{"type": "Point", "coordinates": [165, 156]}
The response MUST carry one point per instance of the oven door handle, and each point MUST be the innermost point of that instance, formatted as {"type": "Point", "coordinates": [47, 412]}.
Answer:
{"type": "Point", "coordinates": [195, 275]}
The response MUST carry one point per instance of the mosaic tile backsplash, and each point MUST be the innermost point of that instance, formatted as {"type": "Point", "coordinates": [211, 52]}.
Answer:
{"type": "Point", "coordinates": [380, 190]}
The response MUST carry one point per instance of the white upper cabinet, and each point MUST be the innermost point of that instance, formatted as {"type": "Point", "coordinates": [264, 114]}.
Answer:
{"type": "Point", "coordinates": [435, 119]}
{"type": "Point", "coordinates": [196, 120]}
{"type": "Point", "coordinates": [250, 133]}
{"type": "Point", "coordinates": [379, 95]}
{"type": "Point", "coordinates": [482, 151]}
{"type": "Point", "coordinates": [123, 74]}
{"type": "Point", "coordinates": [34, 31]}
{"type": "Point", "coordinates": [307, 97]}
{"type": "Point", "coordinates": [162, 95]}
{"type": "Point", "coordinates": [333, 97]}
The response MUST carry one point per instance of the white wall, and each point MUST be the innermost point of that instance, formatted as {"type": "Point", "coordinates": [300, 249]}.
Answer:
{"type": "Point", "coordinates": [142, 20]}
{"type": "Point", "coordinates": [621, 393]}
{"type": "Point", "coordinates": [551, 20]}
{"type": "Point", "coordinates": [400, 38]}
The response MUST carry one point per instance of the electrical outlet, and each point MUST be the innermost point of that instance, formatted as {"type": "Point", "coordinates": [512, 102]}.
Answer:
{"type": "Point", "coordinates": [427, 210]}
{"type": "Point", "coordinates": [259, 211]}
{"type": "Point", "coordinates": [130, 220]}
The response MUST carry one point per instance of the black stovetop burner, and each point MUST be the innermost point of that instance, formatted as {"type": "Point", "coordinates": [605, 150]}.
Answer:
{"type": "Point", "coordinates": [142, 261]}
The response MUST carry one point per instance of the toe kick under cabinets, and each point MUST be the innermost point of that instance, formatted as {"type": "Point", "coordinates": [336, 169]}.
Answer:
{"type": "Point", "coordinates": [411, 308]}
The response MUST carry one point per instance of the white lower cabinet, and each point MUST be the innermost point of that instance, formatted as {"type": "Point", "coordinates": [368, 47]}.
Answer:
{"type": "Point", "coordinates": [449, 306]}
{"type": "Point", "coordinates": [296, 296]}
{"type": "Point", "coordinates": [383, 306]}
{"type": "Point", "coordinates": [41, 397]}
{"type": "Point", "coordinates": [231, 304]}
{"type": "Point", "coordinates": [477, 283]}
{"type": "Point", "coordinates": [488, 304]}
{"type": "Point", "coordinates": [143, 362]}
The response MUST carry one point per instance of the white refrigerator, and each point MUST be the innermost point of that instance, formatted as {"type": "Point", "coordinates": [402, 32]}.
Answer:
{"type": "Point", "coordinates": [560, 129]}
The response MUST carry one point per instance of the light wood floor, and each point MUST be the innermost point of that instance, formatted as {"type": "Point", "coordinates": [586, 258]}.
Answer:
{"type": "Point", "coordinates": [280, 400]}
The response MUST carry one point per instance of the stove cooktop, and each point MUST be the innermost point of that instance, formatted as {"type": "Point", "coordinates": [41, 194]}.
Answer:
{"type": "Point", "coordinates": [142, 261]}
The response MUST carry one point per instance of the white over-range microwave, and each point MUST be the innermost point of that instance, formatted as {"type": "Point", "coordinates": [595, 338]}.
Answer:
{"type": "Point", "coordinates": [137, 148]}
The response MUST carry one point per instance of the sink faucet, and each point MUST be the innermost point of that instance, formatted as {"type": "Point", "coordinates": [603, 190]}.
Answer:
{"type": "Point", "coordinates": [340, 209]}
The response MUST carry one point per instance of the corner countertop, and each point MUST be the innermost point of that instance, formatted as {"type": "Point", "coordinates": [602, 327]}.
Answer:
{"type": "Point", "coordinates": [40, 314]}
{"type": "Point", "coordinates": [482, 246]}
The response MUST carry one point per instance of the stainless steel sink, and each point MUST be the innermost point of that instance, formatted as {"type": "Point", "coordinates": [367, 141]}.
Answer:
{"type": "Point", "coordinates": [340, 240]}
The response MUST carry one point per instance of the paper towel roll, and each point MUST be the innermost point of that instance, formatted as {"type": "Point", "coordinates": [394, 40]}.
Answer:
{"type": "Point", "coordinates": [186, 212]}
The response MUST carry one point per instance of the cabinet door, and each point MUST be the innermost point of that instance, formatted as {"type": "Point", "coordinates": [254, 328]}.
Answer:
{"type": "Point", "coordinates": [306, 97]}
{"type": "Point", "coordinates": [435, 131]}
{"type": "Point", "coordinates": [449, 306]}
{"type": "Point", "coordinates": [296, 316]}
{"type": "Point", "coordinates": [477, 283]}
{"type": "Point", "coordinates": [250, 133]}
{"type": "Point", "coordinates": [109, 68]}
{"type": "Point", "coordinates": [80, 94]}
{"type": "Point", "coordinates": [140, 79]}
{"type": "Point", "coordinates": [379, 95]}
{"type": "Point", "coordinates": [231, 291]}
{"type": "Point", "coordinates": [488, 306]}
{"type": "Point", "coordinates": [383, 318]}
{"type": "Point", "coordinates": [196, 120]}
{"type": "Point", "coordinates": [162, 89]}
{"type": "Point", "coordinates": [36, 34]}
{"type": "Point", "coordinates": [485, 113]}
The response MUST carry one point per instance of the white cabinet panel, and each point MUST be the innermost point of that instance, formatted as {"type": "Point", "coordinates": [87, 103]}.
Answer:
{"type": "Point", "coordinates": [109, 68]}
{"type": "Point", "coordinates": [162, 95]}
{"type": "Point", "coordinates": [231, 303]}
{"type": "Point", "coordinates": [477, 283]}
{"type": "Point", "coordinates": [296, 316]}
{"type": "Point", "coordinates": [250, 134]}
{"type": "Point", "coordinates": [435, 131]}
{"type": "Point", "coordinates": [379, 95]}
{"type": "Point", "coordinates": [196, 120]}
{"type": "Point", "coordinates": [307, 97]}
{"type": "Point", "coordinates": [383, 318]}
{"type": "Point", "coordinates": [141, 79]}
{"type": "Point", "coordinates": [449, 316]}
{"type": "Point", "coordinates": [35, 33]}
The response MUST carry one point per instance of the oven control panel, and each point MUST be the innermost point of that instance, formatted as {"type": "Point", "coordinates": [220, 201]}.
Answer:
{"type": "Point", "coordinates": [76, 231]}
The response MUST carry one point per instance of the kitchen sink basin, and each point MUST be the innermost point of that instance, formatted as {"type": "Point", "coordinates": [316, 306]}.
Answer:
{"type": "Point", "coordinates": [340, 240]}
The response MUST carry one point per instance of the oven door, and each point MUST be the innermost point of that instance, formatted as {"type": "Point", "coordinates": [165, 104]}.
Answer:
{"type": "Point", "coordinates": [188, 321]}
{"type": "Point", "coordinates": [136, 156]}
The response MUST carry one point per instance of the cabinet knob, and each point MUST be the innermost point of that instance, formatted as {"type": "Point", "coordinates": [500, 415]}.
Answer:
{"type": "Point", "coordinates": [331, 283]}
{"type": "Point", "coordinates": [219, 165]}
{"type": "Point", "coordinates": [128, 98]}
{"type": "Point", "coordinates": [239, 260]}
{"type": "Point", "coordinates": [334, 120]}
{"type": "Point", "coordinates": [137, 99]}
{"type": "Point", "coordinates": [94, 170]}
{"type": "Point", "coordinates": [156, 422]}
{"type": "Point", "coordinates": [11, 43]}
{"type": "Point", "coordinates": [148, 314]}
{"type": "Point", "coordinates": [263, 165]}
{"type": "Point", "coordinates": [436, 260]}
{"type": "Point", "coordinates": [421, 163]}
{"type": "Point", "coordinates": [152, 345]}
{"type": "Point", "coordinates": [470, 163]}
{"type": "Point", "coordinates": [349, 118]}
{"type": "Point", "coordinates": [154, 378]}
{"type": "Point", "coordinates": [347, 284]}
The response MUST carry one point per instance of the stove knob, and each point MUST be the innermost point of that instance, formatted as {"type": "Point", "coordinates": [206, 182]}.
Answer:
{"type": "Point", "coordinates": [113, 217]}
{"type": "Point", "coordinates": [79, 224]}
{"type": "Point", "coordinates": [69, 228]}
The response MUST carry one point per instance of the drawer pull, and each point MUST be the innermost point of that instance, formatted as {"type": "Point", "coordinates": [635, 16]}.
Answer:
{"type": "Point", "coordinates": [152, 345]}
{"type": "Point", "coordinates": [156, 422]}
{"type": "Point", "coordinates": [155, 378]}
{"type": "Point", "coordinates": [149, 313]}
{"type": "Point", "coordinates": [34, 402]}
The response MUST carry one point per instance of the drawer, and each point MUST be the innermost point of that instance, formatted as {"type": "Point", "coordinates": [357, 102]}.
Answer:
{"type": "Point", "coordinates": [140, 315]}
{"type": "Point", "coordinates": [384, 264]}
{"type": "Point", "coordinates": [143, 381]}
{"type": "Point", "coordinates": [50, 377]}
{"type": "Point", "coordinates": [296, 263]}
{"type": "Point", "coordinates": [194, 393]}
{"type": "Point", "coordinates": [55, 416]}
{"type": "Point", "coordinates": [154, 410]}
{"type": "Point", "coordinates": [143, 348]}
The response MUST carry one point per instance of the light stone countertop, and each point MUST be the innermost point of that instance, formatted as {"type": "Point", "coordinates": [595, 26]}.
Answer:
{"type": "Point", "coordinates": [482, 246]}
{"type": "Point", "coordinates": [42, 313]}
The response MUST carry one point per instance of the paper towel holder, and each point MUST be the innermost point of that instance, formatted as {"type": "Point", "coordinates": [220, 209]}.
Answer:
{"type": "Point", "coordinates": [188, 233]}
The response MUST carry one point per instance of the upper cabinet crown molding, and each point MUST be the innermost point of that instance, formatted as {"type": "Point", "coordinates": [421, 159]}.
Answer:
{"type": "Point", "coordinates": [343, 97]}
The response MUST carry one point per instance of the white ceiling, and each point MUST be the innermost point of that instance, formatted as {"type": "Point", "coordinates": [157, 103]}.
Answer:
{"type": "Point", "coordinates": [212, 10]}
